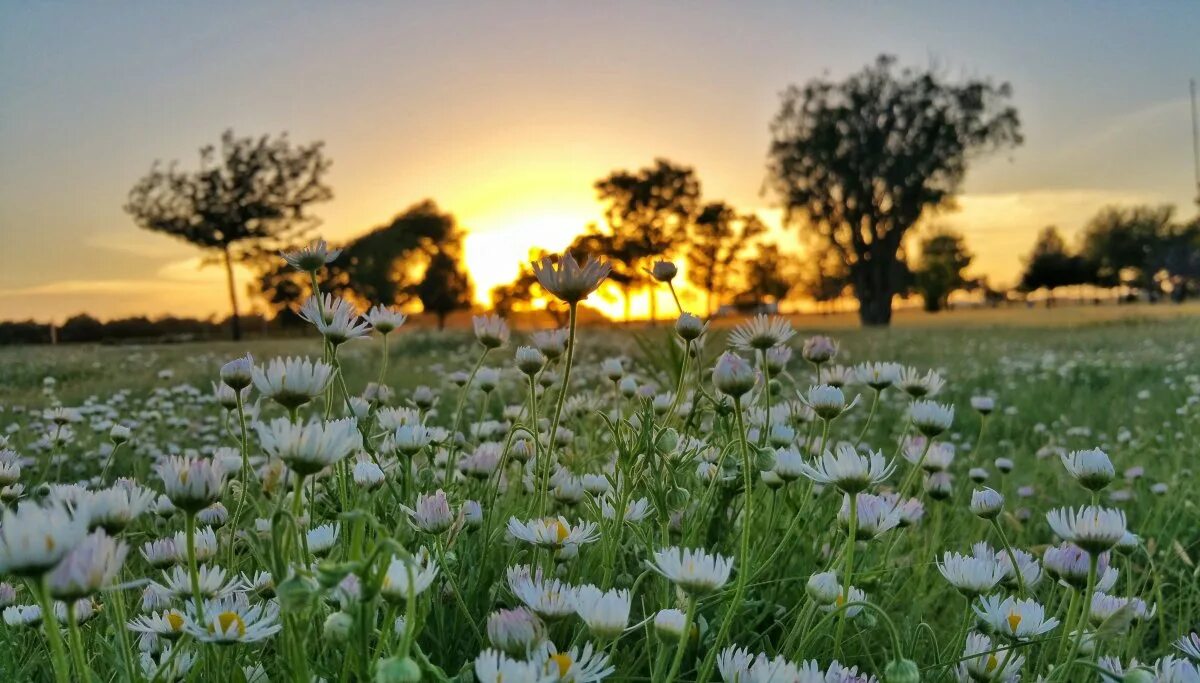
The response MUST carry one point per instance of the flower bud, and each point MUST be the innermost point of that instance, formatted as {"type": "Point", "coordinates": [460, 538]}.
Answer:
{"type": "Point", "coordinates": [733, 375]}
{"type": "Point", "coordinates": [397, 670]}
{"type": "Point", "coordinates": [986, 503]}
{"type": "Point", "coordinates": [689, 327]}
{"type": "Point", "coordinates": [823, 588]}
{"type": "Point", "coordinates": [901, 671]}
{"type": "Point", "coordinates": [529, 360]}
{"type": "Point", "coordinates": [338, 626]}
{"type": "Point", "coordinates": [119, 434]}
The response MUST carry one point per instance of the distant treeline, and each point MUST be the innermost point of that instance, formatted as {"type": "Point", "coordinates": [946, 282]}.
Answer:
{"type": "Point", "coordinates": [85, 328]}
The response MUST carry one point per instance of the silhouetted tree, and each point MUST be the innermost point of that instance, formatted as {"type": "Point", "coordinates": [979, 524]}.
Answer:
{"type": "Point", "coordinates": [248, 197]}
{"type": "Point", "coordinates": [823, 277]}
{"type": "Point", "coordinates": [1126, 245]}
{"type": "Point", "coordinates": [770, 274]}
{"type": "Point", "coordinates": [860, 161]}
{"type": "Point", "coordinates": [939, 271]}
{"type": "Point", "coordinates": [81, 328]}
{"type": "Point", "coordinates": [446, 287]}
{"type": "Point", "coordinates": [719, 235]}
{"type": "Point", "coordinates": [1050, 265]}
{"type": "Point", "coordinates": [647, 212]}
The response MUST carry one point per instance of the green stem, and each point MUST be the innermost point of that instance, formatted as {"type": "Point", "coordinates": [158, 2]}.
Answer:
{"type": "Point", "coordinates": [683, 640]}
{"type": "Point", "coordinates": [562, 390]}
{"type": "Point", "coordinates": [189, 525]}
{"type": "Point", "coordinates": [81, 668]}
{"type": "Point", "coordinates": [58, 656]}
{"type": "Point", "coordinates": [870, 416]}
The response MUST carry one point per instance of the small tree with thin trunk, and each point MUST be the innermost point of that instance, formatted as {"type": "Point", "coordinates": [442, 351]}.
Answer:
{"type": "Point", "coordinates": [859, 162]}
{"type": "Point", "coordinates": [249, 197]}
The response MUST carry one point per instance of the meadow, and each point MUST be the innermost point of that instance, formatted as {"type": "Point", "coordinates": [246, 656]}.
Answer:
{"type": "Point", "coordinates": [976, 496]}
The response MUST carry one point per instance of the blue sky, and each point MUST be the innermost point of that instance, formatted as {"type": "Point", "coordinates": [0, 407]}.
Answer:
{"type": "Point", "coordinates": [505, 112]}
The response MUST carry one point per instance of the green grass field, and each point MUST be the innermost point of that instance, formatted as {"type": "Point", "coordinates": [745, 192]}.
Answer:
{"type": "Point", "coordinates": [1122, 379]}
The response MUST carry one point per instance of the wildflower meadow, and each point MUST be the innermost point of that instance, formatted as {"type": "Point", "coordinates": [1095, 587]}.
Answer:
{"type": "Point", "coordinates": [699, 501]}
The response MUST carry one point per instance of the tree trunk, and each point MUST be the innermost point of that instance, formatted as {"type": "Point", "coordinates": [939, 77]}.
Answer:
{"type": "Point", "coordinates": [235, 321]}
{"type": "Point", "coordinates": [625, 294]}
{"type": "Point", "coordinates": [441, 316]}
{"type": "Point", "coordinates": [874, 289]}
{"type": "Point", "coordinates": [653, 304]}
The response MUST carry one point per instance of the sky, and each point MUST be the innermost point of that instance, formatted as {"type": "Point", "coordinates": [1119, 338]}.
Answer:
{"type": "Point", "coordinates": [505, 113]}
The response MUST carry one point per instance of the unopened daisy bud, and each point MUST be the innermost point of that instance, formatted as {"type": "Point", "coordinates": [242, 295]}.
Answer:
{"type": "Point", "coordinates": [939, 485]}
{"type": "Point", "coordinates": [977, 475]}
{"type": "Point", "coordinates": [432, 514]}
{"type": "Point", "coordinates": [612, 369]}
{"type": "Point", "coordinates": [1091, 468]}
{"type": "Point", "coordinates": [338, 626]}
{"type": "Point", "coordinates": [732, 375]}
{"type": "Point", "coordinates": [1005, 465]}
{"type": "Point", "coordinates": [397, 670]}
{"type": "Point", "coordinates": [931, 418]}
{"type": "Point", "coordinates": [411, 438]}
{"type": "Point", "coordinates": [529, 360]}
{"type": "Point", "coordinates": [689, 327]}
{"type": "Point", "coordinates": [819, 349]}
{"type": "Point", "coordinates": [777, 359]}
{"type": "Point", "coordinates": [491, 331]}
{"type": "Point", "coordinates": [902, 671]}
{"type": "Point", "coordinates": [119, 434]}
{"type": "Point", "coordinates": [986, 503]}
{"type": "Point", "coordinates": [238, 373]}
{"type": "Point", "coordinates": [983, 404]}
{"type": "Point", "coordinates": [472, 513]}
{"type": "Point", "coordinates": [823, 588]}
{"type": "Point", "coordinates": [664, 271]}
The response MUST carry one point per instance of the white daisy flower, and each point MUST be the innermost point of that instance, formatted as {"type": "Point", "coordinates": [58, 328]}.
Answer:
{"type": "Point", "coordinates": [693, 570]}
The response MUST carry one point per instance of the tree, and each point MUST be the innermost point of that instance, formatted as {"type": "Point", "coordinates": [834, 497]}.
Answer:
{"type": "Point", "coordinates": [859, 162]}
{"type": "Point", "coordinates": [647, 213]}
{"type": "Point", "coordinates": [446, 287]}
{"type": "Point", "coordinates": [524, 292]}
{"type": "Point", "coordinates": [1050, 265]}
{"type": "Point", "coordinates": [719, 235]}
{"type": "Point", "coordinates": [770, 275]}
{"type": "Point", "coordinates": [824, 277]}
{"type": "Point", "coordinates": [939, 271]}
{"type": "Point", "coordinates": [1126, 244]}
{"type": "Point", "coordinates": [386, 265]}
{"type": "Point", "coordinates": [249, 197]}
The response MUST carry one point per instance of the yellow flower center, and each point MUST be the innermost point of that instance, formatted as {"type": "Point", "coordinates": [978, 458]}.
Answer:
{"type": "Point", "coordinates": [1014, 620]}
{"type": "Point", "coordinates": [992, 663]}
{"type": "Point", "coordinates": [49, 543]}
{"type": "Point", "coordinates": [560, 531]}
{"type": "Point", "coordinates": [174, 620]}
{"type": "Point", "coordinates": [563, 662]}
{"type": "Point", "coordinates": [230, 620]}
{"type": "Point", "coordinates": [841, 600]}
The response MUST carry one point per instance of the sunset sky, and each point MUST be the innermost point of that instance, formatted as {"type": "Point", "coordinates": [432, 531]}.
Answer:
{"type": "Point", "coordinates": [506, 112]}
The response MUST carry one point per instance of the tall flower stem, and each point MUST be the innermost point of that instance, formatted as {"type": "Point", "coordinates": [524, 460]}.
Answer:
{"type": "Point", "coordinates": [458, 412]}
{"type": "Point", "coordinates": [81, 668]}
{"type": "Point", "coordinates": [1093, 560]}
{"type": "Point", "coordinates": [189, 526]}
{"type": "Point", "coordinates": [743, 571]}
{"type": "Point", "coordinates": [297, 512]}
{"type": "Point", "coordinates": [383, 363]}
{"type": "Point", "coordinates": [870, 416]}
{"type": "Point", "coordinates": [245, 475]}
{"type": "Point", "coordinates": [851, 532]}
{"type": "Point", "coordinates": [562, 390]}
{"type": "Point", "coordinates": [58, 656]}
{"type": "Point", "coordinates": [688, 616]}
{"type": "Point", "coordinates": [1012, 557]}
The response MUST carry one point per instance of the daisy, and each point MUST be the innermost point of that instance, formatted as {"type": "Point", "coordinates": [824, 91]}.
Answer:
{"type": "Point", "coordinates": [971, 575]}
{"type": "Point", "coordinates": [848, 470]}
{"type": "Point", "coordinates": [733, 375]}
{"type": "Point", "coordinates": [566, 279]}
{"type": "Point", "coordinates": [693, 570]}
{"type": "Point", "coordinates": [335, 318]}
{"type": "Point", "coordinates": [385, 319]}
{"type": "Point", "coordinates": [515, 631]}
{"type": "Point", "coordinates": [577, 665]}
{"type": "Point", "coordinates": [169, 624]}
{"type": "Point", "coordinates": [1014, 618]}
{"type": "Point", "coordinates": [827, 401]}
{"type": "Point", "coordinates": [1091, 468]}
{"type": "Point", "coordinates": [549, 599]}
{"type": "Point", "coordinates": [1189, 645]}
{"type": "Point", "coordinates": [232, 619]}
{"type": "Point", "coordinates": [761, 333]}
{"type": "Point", "coordinates": [191, 484]}
{"type": "Point", "coordinates": [178, 583]}
{"type": "Point", "coordinates": [432, 514]}
{"type": "Point", "coordinates": [984, 662]}
{"type": "Point", "coordinates": [491, 331]}
{"type": "Point", "coordinates": [493, 666]}
{"type": "Point", "coordinates": [167, 666]}
{"type": "Point", "coordinates": [114, 508]}
{"type": "Point", "coordinates": [33, 538]}
{"type": "Point", "coordinates": [91, 565]}
{"type": "Point", "coordinates": [417, 572]}
{"type": "Point", "coordinates": [309, 448]}
{"type": "Point", "coordinates": [292, 382]}
{"type": "Point", "coordinates": [916, 385]}
{"type": "Point", "coordinates": [322, 538]}
{"type": "Point", "coordinates": [238, 373]}
{"type": "Point", "coordinates": [930, 418]}
{"type": "Point", "coordinates": [606, 613]}
{"type": "Point", "coordinates": [986, 503]}
{"type": "Point", "coordinates": [311, 257]}
{"type": "Point", "coordinates": [878, 376]}
{"type": "Point", "coordinates": [551, 532]}
{"type": "Point", "coordinates": [1093, 528]}
{"type": "Point", "coordinates": [819, 349]}
{"type": "Point", "coordinates": [875, 515]}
